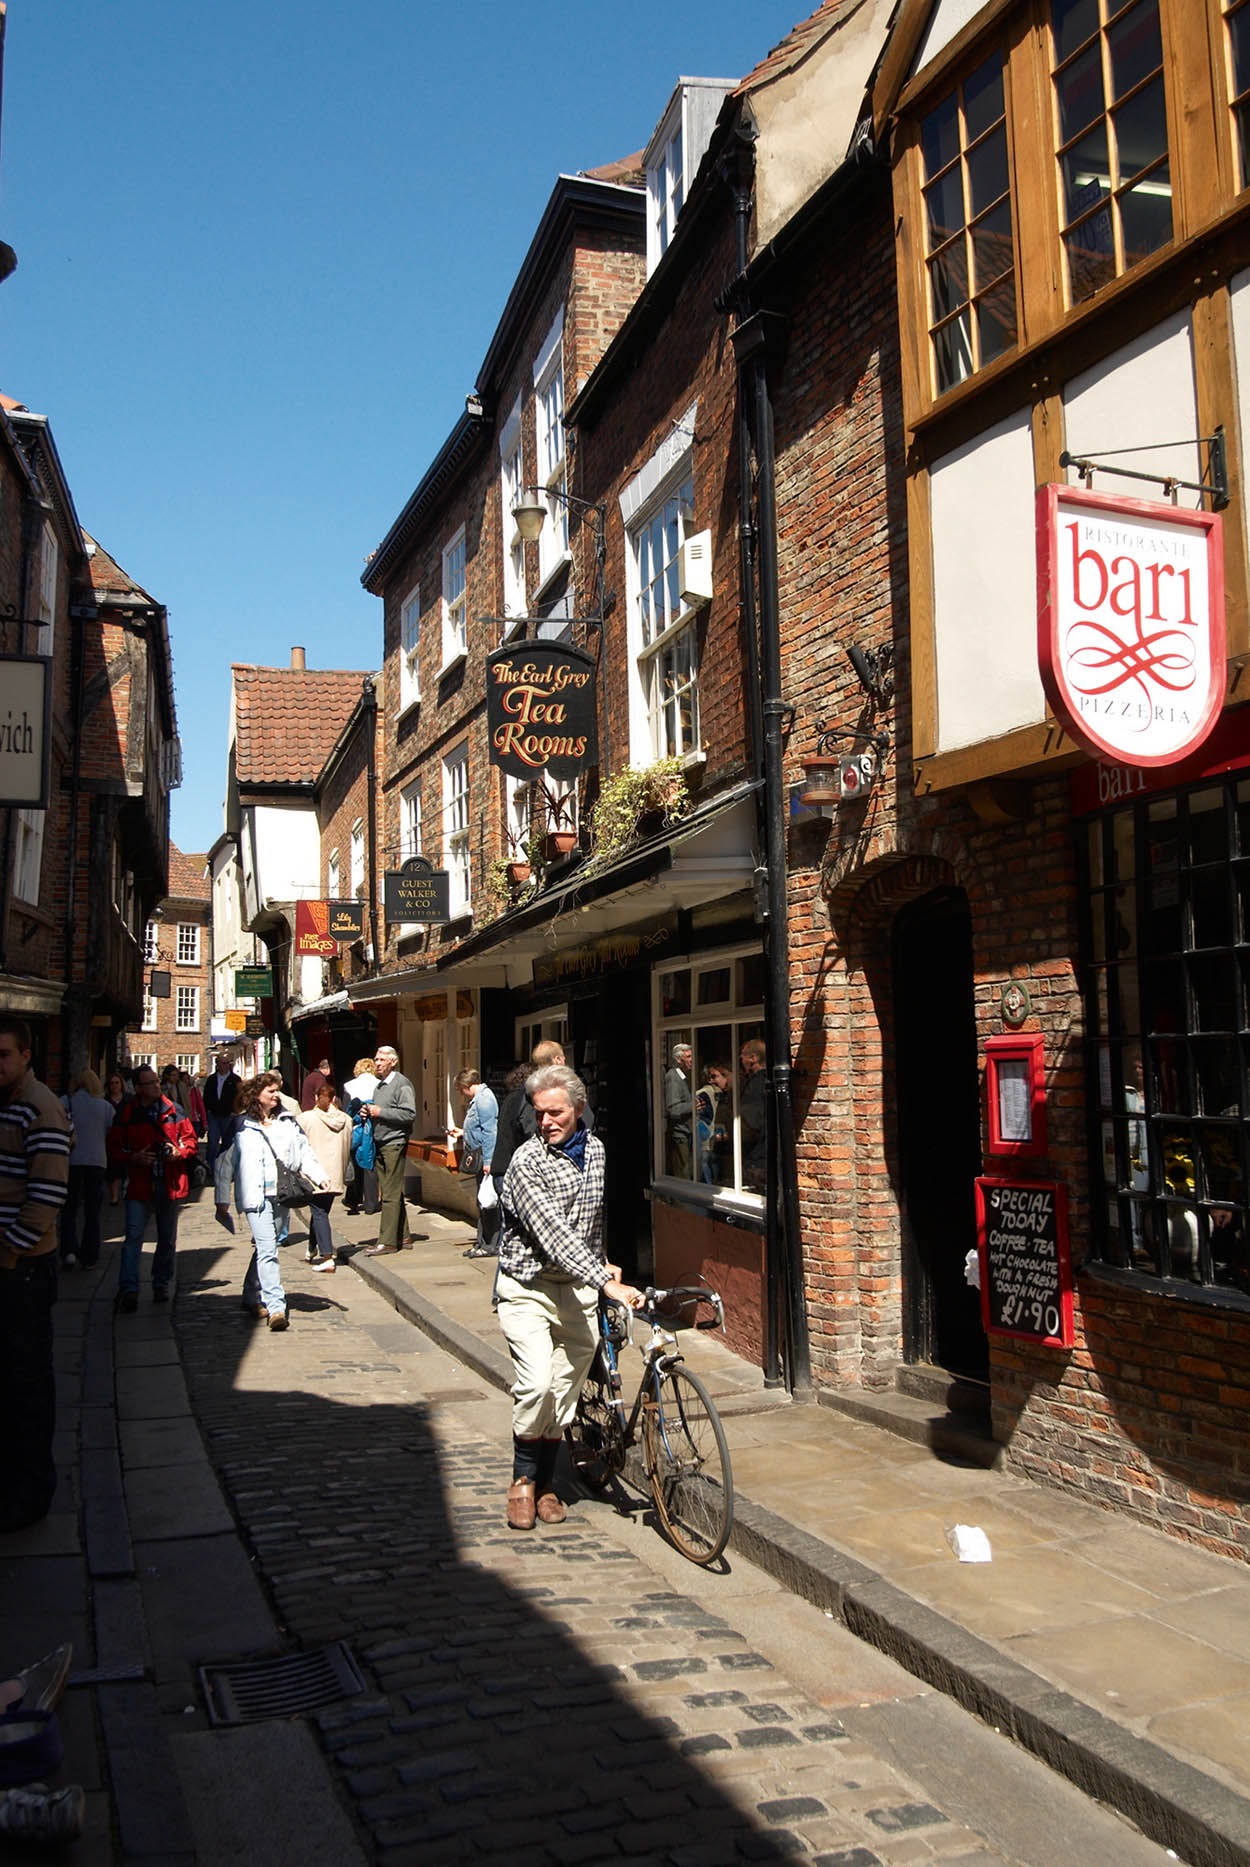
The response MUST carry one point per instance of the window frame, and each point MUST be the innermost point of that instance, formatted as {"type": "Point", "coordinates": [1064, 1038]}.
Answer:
{"type": "Point", "coordinates": [410, 650]}
{"type": "Point", "coordinates": [457, 853]}
{"type": "Point", "coordinates": [151, 942]}
{"type": "Point", "coordinates": [189, 1061]}
{"type": "Point", "coordinates": [665, 1031]}
{"type": "Point", "coordinates": [666, 182]}
{"type": "Point", "coordinates": [455, 600]}
{"type": "Point", "coordinates": [186, 1004]}
{"type": "Point", "coordinates": [49, 571]}
{"type": "Point", "coordinates": [356, 861]}
{"type": "Point", "coordinates": [191, 958]}
{"type": "Point", "coordinates": [648, 732]}
{"type": "Point", "coordinates": [334, 881]}
{"type": "Point", "coordinates": [551, 453]}
{"type": "Point", "coordinates": [149, 1014]}
{"type": "Point", "coordinates": [512, 545]}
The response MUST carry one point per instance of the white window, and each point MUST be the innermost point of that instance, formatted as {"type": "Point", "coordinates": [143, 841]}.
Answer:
{"type": "Point", "coordinates": [665, 640]}
{"type": "Point", "coordinates": [148, 1022]}
{"type": "Point", "coordinates": [511, 482]}
{"type": "Point", "coordinates": [356, 874]}
{"type": "Point", "coordinates": [187, 1008]}
{"type": "Point", "coordinates": [409, 644]}
{"type": "Point", "coordinates": [666, 186]}
{"type": "Point", "coordinates": [410, 822]}
{"type": "Point", "coordinates": [28, 853]}
{"type": "Point", "coordinates": [189, 1061]}
{"type": "Point", "coordinates": [456, 827]}
{"type": "Point", "coordinates": [151, 942]}
{"type": "Point", "coordinates": [553, 540]}
{"type": "Point", "coordinates": [49, 561]}
{"type": "Point", "coordinates": [142, 1060]}
{"type": "Point", "coordinates": [455, 602]}
{"type": "Point", "coordinates": [188, 943]}
{"type": "Point", "coordinates": [708, 1050]}
{"type": "Point", "coordinates": [333, 878]}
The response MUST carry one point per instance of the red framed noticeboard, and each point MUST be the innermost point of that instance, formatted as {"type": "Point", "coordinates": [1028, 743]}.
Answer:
{"type": "Point", "coordinates": [1015, 1088]}
{"type": "Point", "coordinates": [1026, 1267]}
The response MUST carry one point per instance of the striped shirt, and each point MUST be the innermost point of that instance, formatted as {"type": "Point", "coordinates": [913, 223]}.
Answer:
{"type": "Point", "coordinates": [34, 1169]}
{"type": "Point", "coordinates": [552, 1215]}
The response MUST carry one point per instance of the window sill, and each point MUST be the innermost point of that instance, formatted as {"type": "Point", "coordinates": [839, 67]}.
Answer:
{"type": "Point", "coordinates": [548, 578]}
{"type": "Point", "coordinates": [718, 1202]}
{"type": "Point", "coordinates": [1172, 1289]}
{"type": "Point", "coordinates": [511, 625]}
{"type": "Point", "coordinates": [455, 661]}
{"type": "Point", "coordinates": [407, 707]}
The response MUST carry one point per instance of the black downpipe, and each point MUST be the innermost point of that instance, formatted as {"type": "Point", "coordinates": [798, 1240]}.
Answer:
{"type": "Point", "coordinates": [369, 703]}
{"type": "Point", "coordinates": [751, 339]}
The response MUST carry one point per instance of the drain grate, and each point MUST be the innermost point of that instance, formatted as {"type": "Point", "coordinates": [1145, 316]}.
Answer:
{"type": "Point", "coordinates": [282, 1687]}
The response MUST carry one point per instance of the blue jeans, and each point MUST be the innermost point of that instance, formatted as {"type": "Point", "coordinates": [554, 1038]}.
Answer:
{"type": "Point", "coordinates": [137, 1211]}
{"type": "Point", "coordinates": [263, 1283]}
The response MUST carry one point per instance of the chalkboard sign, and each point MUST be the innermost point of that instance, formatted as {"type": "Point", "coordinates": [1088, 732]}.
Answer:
{"type": "Point", "coordinates": [1026, 1272]}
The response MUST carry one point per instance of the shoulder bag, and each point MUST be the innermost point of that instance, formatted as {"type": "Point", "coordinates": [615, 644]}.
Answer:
{"type": "Point", "coordinates": [294, 1186]}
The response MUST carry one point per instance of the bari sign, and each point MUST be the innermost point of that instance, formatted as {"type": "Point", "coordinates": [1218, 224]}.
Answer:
{"type": "Point", "coordinates": [1130, 622]}
{"type": "Point", "coordinates": [540, 710]}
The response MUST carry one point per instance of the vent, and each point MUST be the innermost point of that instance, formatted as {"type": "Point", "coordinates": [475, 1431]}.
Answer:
{"type": "Point", "coordinates": [694, 570]}
{"type": "Point", "coordinates": [282, 1687]}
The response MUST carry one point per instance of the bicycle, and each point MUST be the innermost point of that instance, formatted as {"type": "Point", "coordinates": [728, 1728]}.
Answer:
{"type": "Point", "coordinates": [683, 1442]}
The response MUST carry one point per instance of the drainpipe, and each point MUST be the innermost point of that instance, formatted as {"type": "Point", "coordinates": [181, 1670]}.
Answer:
{"type": "Point", "coordinates": [757, 332]}
{"type": "Point", "coordinates": [369, 703]}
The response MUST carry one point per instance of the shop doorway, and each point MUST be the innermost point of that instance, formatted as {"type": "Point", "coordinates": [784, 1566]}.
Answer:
{"type": "Point", "coordinates": [939, 1131]}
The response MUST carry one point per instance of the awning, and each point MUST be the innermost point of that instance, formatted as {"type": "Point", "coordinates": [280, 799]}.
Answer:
{"type": "Point", "coordinates": [31, 998]}
{"type": "Point", "coordinates": [319, 1008]}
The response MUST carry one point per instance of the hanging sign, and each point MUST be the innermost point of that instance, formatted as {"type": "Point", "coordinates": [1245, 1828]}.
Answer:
{"type": "Point", "coordinates": [25, 730]}
{"type": "Point", "coordinates": [1026, 1270]}
{"type": "Point", "coordinates": [312, 929]}
{"type": "Point", "coordinates": [235, 1019]}
{"type": "Point", "coordinates": [254, 1026]}
{"type": "Point", "coordinates": [347, 921]}
{"type": "Point", "coordinates": [253, 982]}
{"type": "Point", "coordinates": [1130, 622]}
{"type": "Point", "coordinates": [540, 710]}
{"type": "Point", "coordinates": [417, 892]}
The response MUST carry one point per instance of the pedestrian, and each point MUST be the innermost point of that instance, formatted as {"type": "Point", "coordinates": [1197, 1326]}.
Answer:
{"type": "Point", "coordinates": [506, 1138]}
{"type": "Point", "coordinates": [193, 1102]}
{"type": "Point", "coordinates": [394, 1110]}
{"type": "Point", "coordinates": [713, 1109]}
{"type": "Point", "coordinates": [152, 1140]}
{"type": "Point", "coordinates": [34, 1172]}
{"type": "Point", "coordinates": [678, 1105]}
{"type": "Point", "coordinates": [481, 1125]}
{"type": "Point", "coordinates": [115, 1093]}
{"type": "Point", "coordinates": [551, 1273]}
{"type": "Point", "coordinates": [329, 1131]}
{"type": "Point", "coordinates": [523, 1124]}
{"type": "Point", "coordinates": [266, 1134]}
{"type": "Point", "coordinates": [363, 1190]}
{"type": "Point", "coordinates": [753, 1116]}
{"type": "Point", "coordinates": [219, 1093]}
{"type": "Point", "coordinates": [91, 1116]}
{"type": "Point", "coordinates": [312, 1083]}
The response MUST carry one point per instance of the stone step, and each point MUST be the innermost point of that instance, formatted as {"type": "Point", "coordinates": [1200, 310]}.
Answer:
{"type": "Point", "coordinates": [959, 1435]}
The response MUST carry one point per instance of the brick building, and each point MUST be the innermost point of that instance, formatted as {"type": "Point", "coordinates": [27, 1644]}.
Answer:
{"type": "Point", "coordinates": [178, 962]}
{"type": "Point", "coordinates": [79, 878]}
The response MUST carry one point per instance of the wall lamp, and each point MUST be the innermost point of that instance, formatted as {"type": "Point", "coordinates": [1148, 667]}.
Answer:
{"type": "Point", "coordinates": [833, 778]}
{"type": "Point", "coordinates": [530, 509]}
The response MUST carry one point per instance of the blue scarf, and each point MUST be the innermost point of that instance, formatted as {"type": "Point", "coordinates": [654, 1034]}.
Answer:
{"type": "Point", "coordinates": [575, 1147]}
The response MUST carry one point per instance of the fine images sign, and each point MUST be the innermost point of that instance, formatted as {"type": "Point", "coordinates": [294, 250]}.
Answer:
{"type": "Point", "coordinates": [1130, 622]}
{"type": "Point", "coordinates": [417, 892]}
{"type": "Point", "coordinates": [25, 731]}
{"type": "Point", "coordinates": [1026, 1272]}
{"type": "Point", "coordinates": [312, 929]}
{"type": "Point", "coordinates": [540, 710]}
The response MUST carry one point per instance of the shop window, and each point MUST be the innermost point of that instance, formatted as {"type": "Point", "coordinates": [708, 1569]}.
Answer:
{"type": "Point", "coordinates": [709, 1061]}
{"type": "Point", "coordinates": [1115, 186]}
{"type": "Point", "coordinates": [968, 227]}
{"type": "Point", "coordinates": [1168, 992]}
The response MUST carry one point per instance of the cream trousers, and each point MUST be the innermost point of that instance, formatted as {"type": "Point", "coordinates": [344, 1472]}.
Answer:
{"type": "Point", "coordinates": [551, 1330]}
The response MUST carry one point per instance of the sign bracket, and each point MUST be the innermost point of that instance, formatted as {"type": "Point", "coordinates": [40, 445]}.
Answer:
{"type": "Point", "coordinates": [1212, 486]}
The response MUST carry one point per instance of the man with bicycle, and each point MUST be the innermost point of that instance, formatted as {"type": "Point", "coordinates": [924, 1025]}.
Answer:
{"type": "Point", "coordinates": [551, 1271]}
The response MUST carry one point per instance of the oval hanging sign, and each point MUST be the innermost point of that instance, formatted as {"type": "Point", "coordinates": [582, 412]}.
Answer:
{"type": "Point", "coordinates": [540, 710]}
{"type": "Point", "coordinates": [1130, 622]}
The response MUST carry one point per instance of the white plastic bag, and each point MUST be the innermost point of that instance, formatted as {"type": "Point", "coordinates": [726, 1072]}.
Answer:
{"type": "Point", "coordinates": [487, 1197]}
{"type": "Point", "coordinates": [969, 1543]}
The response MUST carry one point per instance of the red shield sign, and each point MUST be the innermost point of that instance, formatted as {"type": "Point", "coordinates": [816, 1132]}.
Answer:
{"type": "Point", "coordinates": [1130, 622]}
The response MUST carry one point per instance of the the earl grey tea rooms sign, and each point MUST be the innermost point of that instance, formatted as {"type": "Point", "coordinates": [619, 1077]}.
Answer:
{"type": "Point", "coordinates": [540, 710]}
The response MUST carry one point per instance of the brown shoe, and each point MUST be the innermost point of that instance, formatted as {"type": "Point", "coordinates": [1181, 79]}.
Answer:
{"type": "Point", "coordinates": [550, 1509]}
{"type": "Point", "coordinates": [521, 1504]}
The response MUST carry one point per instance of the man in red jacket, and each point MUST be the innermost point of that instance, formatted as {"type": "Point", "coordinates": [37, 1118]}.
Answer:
{"type": "Point", "coordinates": [151, 1141]}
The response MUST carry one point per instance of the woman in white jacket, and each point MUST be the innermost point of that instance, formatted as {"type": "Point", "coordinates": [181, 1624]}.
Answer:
{"type": "Point", "coordinates": [329, 1131]}
{"type": "Point", "coordinates": [266, 1135]}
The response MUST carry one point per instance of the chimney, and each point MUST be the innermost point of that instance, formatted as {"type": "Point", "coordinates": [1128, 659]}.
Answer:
{"type": "Point", "coordinates": [297, 660]}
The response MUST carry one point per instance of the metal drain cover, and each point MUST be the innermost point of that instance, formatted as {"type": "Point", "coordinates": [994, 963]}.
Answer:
{"type": "Point", "coordinates": [282, 1687]}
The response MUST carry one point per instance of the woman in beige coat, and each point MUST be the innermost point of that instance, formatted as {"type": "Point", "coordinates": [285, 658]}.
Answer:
{"type": "Point", "coordinates": [329, 1133]}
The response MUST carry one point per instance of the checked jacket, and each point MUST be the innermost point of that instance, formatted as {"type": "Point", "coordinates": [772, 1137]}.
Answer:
{"type": "Point", "coordinates": [552, 1215]}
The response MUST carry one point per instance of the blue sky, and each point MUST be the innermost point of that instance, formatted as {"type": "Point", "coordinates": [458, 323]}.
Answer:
{"type": "Point", "coordinates": [262, 247]}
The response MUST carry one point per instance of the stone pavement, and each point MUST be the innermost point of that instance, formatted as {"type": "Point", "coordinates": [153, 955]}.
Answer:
{"type": "Point", "coordinates": [1120, 1656]}
{"type": "Point", "coordinates": [230, 1494]}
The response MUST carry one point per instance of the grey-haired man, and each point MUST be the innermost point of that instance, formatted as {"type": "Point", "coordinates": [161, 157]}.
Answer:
{"type": "Point", "coordinates": [394, 1110]}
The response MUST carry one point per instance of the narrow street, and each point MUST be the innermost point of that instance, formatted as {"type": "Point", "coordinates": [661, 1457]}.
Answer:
{"type": "Point", "coordinates": [576, 1695]}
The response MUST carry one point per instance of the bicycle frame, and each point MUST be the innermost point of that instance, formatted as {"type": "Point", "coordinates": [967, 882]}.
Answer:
{"type": "Point", "coordinates": [659, 1354]}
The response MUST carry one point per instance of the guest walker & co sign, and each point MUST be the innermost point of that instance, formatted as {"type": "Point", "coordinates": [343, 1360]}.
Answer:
{"type": "Point", "coordinates": [540, 710]}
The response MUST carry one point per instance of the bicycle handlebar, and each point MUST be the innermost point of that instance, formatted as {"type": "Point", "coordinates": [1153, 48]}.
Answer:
{"type": "Point", "coordinates": [682, 1295]}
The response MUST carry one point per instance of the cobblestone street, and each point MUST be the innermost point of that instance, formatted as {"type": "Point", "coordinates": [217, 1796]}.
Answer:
{"type": "Point", "coordinates": [574, 1695]}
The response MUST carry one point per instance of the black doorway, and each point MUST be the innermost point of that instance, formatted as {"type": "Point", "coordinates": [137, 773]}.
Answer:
{"type": "Point", "coordinates": [939, 1131]}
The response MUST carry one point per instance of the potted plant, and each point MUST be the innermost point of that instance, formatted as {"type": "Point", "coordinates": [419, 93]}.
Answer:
{"type": "Point", "coordinates": [561, 838]}
{"type": "Point", "coordinates": [630, 799]}
{"type": "Point", "coordinates": [518, 863]}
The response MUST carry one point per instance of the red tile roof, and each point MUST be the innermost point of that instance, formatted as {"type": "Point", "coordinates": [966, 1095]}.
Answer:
{"type": "Point", "coordinates": [628, 171]}
{"type": "Point", "coordinates": [288, 719]}
{"type": "Point", "coordinates": [798, 42]}
{"type": "Point", "coordinates": [188, 880]}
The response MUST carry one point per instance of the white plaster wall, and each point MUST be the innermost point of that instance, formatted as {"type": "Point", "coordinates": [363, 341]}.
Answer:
{"type": "Point", "coordinates": [288, 852]}
{"type": "Point", "coordinates": [1239, 291]}
{"type": "Point", "coordinates": [948, 18]}
{"type": "Point", "coordinates": [984, 593]}
{"type": "Point", "coordinates": [1135, 398]}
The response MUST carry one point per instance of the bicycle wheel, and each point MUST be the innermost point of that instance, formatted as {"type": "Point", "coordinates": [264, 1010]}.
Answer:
{"type": "Point", "coordinates": [593, 1436]}
{"type": "Point", "coordinates": [688, 1466]}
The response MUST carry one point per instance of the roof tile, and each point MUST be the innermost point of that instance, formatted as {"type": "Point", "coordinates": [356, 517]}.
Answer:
{"type": "Point", "coordinates": [288, 719]}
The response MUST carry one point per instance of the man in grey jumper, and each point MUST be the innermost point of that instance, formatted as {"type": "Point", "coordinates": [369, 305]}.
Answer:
{"type": "Point", "coordinates": [394, 1110]}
